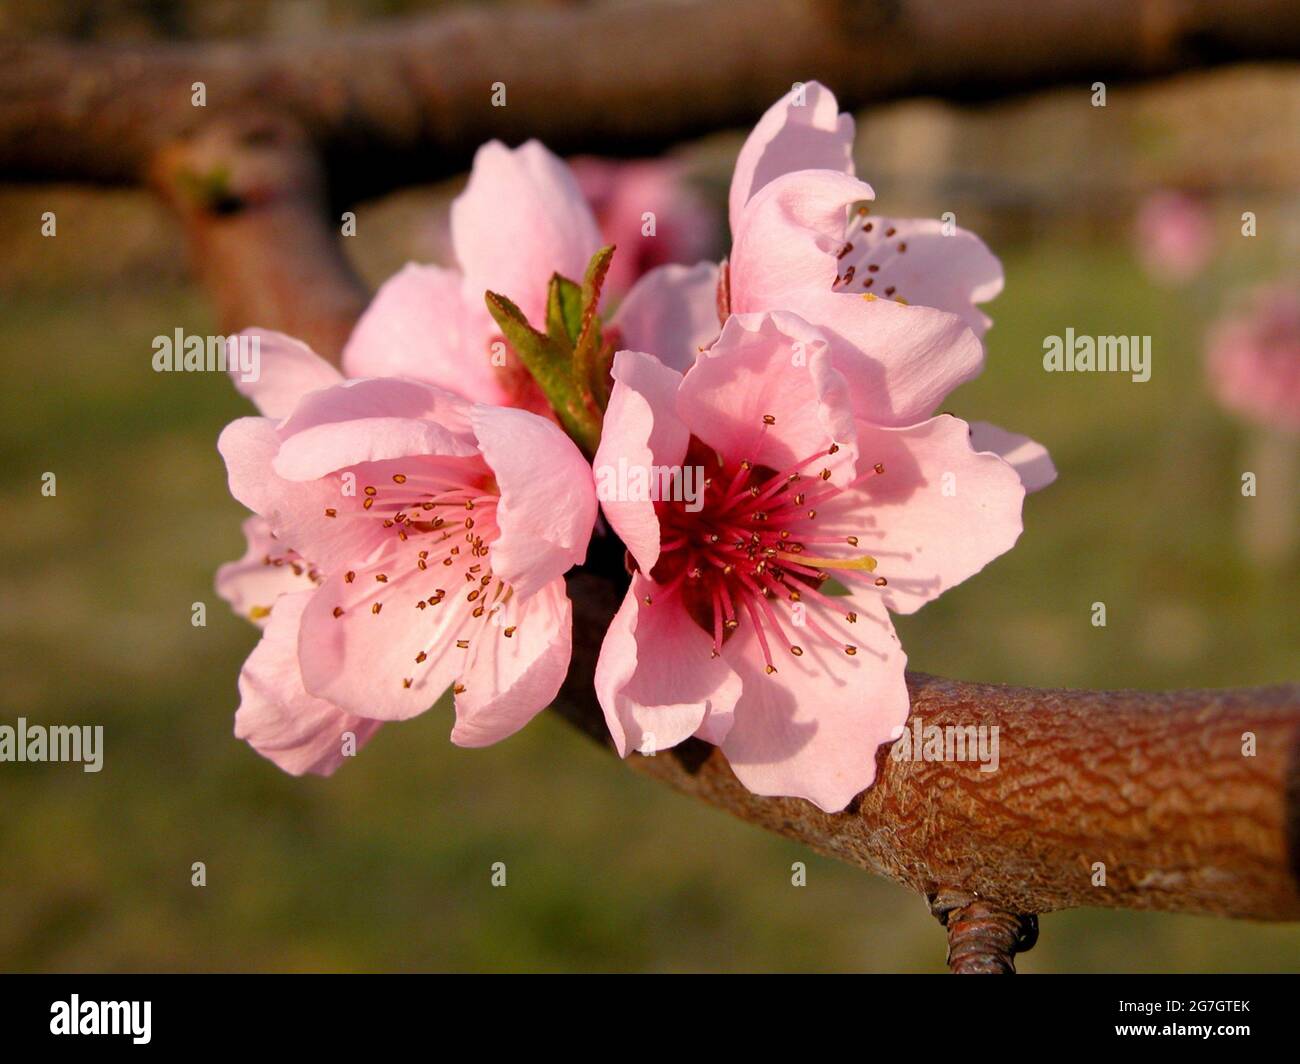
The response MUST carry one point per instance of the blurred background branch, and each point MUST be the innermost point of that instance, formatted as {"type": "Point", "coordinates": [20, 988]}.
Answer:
{"type": "Point", "coordinates": [408, 101]}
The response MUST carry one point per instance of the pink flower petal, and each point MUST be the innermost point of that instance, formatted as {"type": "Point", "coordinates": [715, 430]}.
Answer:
{"type": "Point", "coordinates": [915, 261]}
{"type": "Point", "coordinates": [641, 429]}
{"type": "Point", "coordinates": [520, 219]}
{"type": "Point", "coordinates": [323, 449]}
{"type": "Point", "coordinates": [370, 421]}
{"type": "Point", "coordinates": [656, 679]}
{"type": "Point", "coordinates": [359, 660]}
{"type": "Point", "coordinates": [1026, 457]}
{"type": "Point", "coordinates": [672, 313]}
{"type": "Point", "coordinates": [421, 325]}
{"type": "Point", "coordinates": [937, 515]}
{"type": "Point", "coordinates": [379, 398]}
{"type": "Point", "coordinates": [792, 135]}
{"type": "Point", "coordinates": [277, 717]}
{"type": "Point", "coordinates": [294, 511]}
{"type": "Point", "coordinates": [812, 728]}
{"type": "Point", "coordinates": [768, 366]}
{"type": "Point", "coordinates": [249, 446]}
{"type": "Point", "coordinates": [511, 678]}
{"type": "Point", "coordinates": [900, 361]}
{"type": "Point", "coordinates": [548, 504]}
{"type": "Point", "coordinates": [251, 585]}
{"type": "Point", "coordinates": [288, 370]}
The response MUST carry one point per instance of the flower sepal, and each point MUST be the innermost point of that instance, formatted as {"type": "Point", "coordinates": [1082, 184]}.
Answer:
{"type": "Point", "coordinates": [570, 360]}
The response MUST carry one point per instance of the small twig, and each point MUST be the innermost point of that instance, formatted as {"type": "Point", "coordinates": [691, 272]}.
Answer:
{"type": "Point", "coordinates": [983, 939]}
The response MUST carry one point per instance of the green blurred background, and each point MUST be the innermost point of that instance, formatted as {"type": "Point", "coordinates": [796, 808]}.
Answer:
{"type": "Point", "coordinates": [387, 865]}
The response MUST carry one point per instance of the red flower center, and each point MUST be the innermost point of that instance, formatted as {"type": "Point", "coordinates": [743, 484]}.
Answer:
{"type": "Point", "coordinates": [753, 552]}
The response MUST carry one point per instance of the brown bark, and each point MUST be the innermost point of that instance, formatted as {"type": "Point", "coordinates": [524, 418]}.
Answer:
{"type": "Point", "coordinates": [1154, 786]}
{"type": "Point", "coordinates": [410, 100]}
{"type": "Point", "coordinates": [249, 192]}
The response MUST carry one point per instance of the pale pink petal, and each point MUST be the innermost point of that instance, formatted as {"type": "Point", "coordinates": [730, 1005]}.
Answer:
{"type": "Point", "coordinates": [520, 219]}
{"type": "Point", "coordinates": [379, 398]}
{"type": "Point", "coordinates": [789, 236]}
{"type": "Point", "coordinates": [323, 449]}
{"type": "Point", "coordinates": [548, 503]}
{"type": "Point", "coordinates": [370, 421]}
{"type": "Point", "coordinates": [249, 446]}
{"type": "Point", "coordinates": [421, 325]}
{"type": "Point", "coordinates": [286, 370]}
{"type": "Point", "coordinates": [937, 515]}
{"type": "Point", "coordinates": [1025, 456]}
{"type": "Point", "coordinates": [641, 430]}
{"type": "Point", "coordinates": [277, 717]}
{"type": "Point", "coordinates": [671, 312]}
{"type": "Point", "coordinates": [917, 262]}
{"type": "Point", "coordinates": [267, 570]}
{"type": "Point", "coordinates": [766, 392]}
{"type": "Point", "coordinates": [812, 728]}
{"type": "Point", "coordinates": [803, 130]}
{"type": "Point", "coordinates": [656, 678]}
{"type": "Point", "coordinates": [513, 677]}
{"type": "Point", "coordinates": [900, 360]}
{"type": "Point", "coordinates": [294, 511]}
{"type": "Point", "coordinates": [360, 660]}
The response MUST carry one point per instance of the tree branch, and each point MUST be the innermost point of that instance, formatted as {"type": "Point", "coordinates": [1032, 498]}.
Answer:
{"type": "Point", "coordinates": [248, 190]}
{"type": "Point", "coordinates": [410, 100]}
{"type": "Point", "coordinates": [1153, 787]}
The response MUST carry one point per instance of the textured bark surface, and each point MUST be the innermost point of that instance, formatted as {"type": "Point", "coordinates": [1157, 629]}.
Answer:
{"type": "Point", "coordinates": [249, 193]}
{"type": "Point", "coordinates": [399, 102]}
{"type": "Point", "coordinates": [1154, 786]}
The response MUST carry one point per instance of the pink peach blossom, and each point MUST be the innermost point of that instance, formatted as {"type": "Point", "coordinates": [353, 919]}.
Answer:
{"type": "Point", "coordinates": [520, 219]}
{"type": "Point", "coordinates": [896, 298]}
{"type": "Point", "coordinates": [1174, 236]}
{"type": "Point", "coordinates": [1253, 358]}
{"type": "Point", "coordinates": [422, 540]}
{"type": "Point", "coordinates": [621, 193]}
{"type": "Point", "coordinates": [729, 631]}
{"type": "Point", "coordinates": [893, 289]}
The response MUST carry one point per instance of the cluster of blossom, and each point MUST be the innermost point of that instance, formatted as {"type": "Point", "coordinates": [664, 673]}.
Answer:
{"type": "Point", "coordinates": [415, 514]}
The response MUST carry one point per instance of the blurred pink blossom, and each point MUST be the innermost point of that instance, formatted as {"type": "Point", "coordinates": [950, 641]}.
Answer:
{"type": "Point", "coordinates": [1174, 236]}
{"type": "Point", "coordinates": [631, 197]}
{"type": "Point", "coordinates": [1253, 358]}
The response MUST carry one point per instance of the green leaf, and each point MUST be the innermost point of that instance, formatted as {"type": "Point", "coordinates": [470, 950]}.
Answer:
{"type": "Point", "coordinates": [551, 366]}
{"type": "Point", "coordinates": [586, 348]}
{"type": "Point", "coordinates": [563, 310]}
